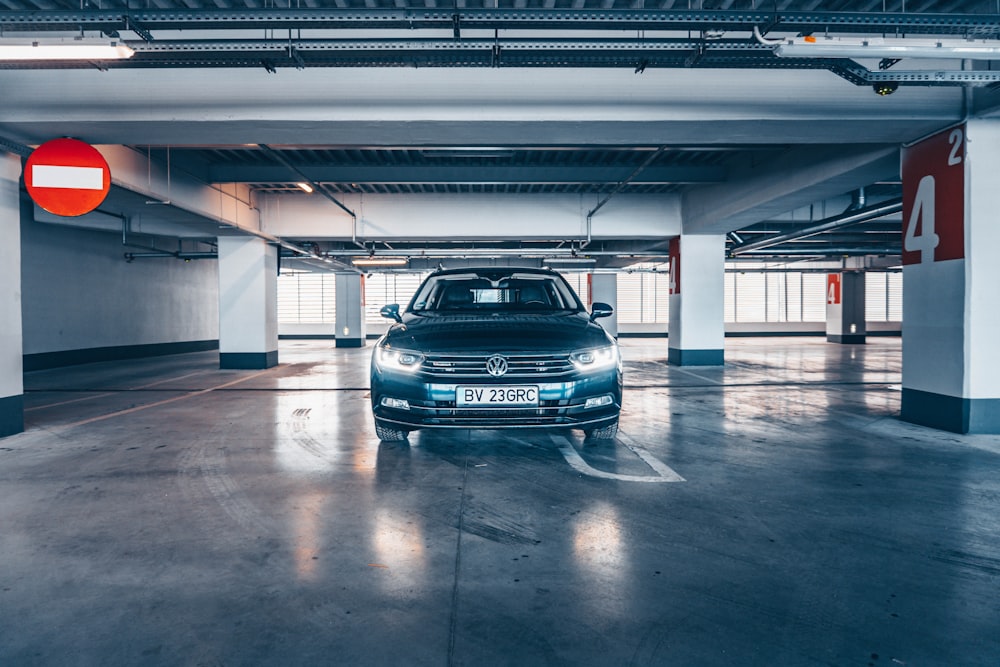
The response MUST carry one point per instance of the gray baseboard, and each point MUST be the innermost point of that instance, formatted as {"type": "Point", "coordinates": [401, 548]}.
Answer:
{"type": "Point", "coordinates": [695, 357]}
{"type": "Point", "coordinates": [847, 339]}
{"type": "Point", "coordinates": [11, 415]}
{"type": "Point", "coordinates": [45, 360]}
{"type": "Point", "coordinates": [248, 360]}
{"type": "Point", "coordinates": [951, 413]}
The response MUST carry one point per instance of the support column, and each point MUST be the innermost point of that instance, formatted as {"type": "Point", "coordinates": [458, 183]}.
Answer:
{"type": "Point", "coordinates": [350, 310]}
{"type": "Point", "coordinates": [696, 329]}
{"type": "Point", "coordinates": [248, 303]}
{"type": "Point", "coordinates": [603, 287]}
{"type": "Point", "coordinates": [951, 296]}
{"type": "Point", "coordinates": [11, 349]}
{"type": "Point", "coordinates": [845, 307]}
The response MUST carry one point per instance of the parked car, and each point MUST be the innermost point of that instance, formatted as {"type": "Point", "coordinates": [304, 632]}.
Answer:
{"type": "Point", "coordinates": [496, 348]}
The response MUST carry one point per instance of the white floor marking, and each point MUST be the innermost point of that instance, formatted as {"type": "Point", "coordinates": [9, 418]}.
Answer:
{"type": "Point", "coordinates": [653, 462]}
{"type": "Point", "coordinates": [664, 472]}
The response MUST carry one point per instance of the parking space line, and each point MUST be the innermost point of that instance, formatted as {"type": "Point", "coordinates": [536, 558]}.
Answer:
{"type": "Point", "coordinates": [573, 458]}
{"type": "Point", "coordinates": [656, 464]}
{"type": "Point", "coordinates": [139, 408]}
{"type": "Point", "coordinates": [105, 394]}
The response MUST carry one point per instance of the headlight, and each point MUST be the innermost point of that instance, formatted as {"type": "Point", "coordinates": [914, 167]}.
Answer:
{"type": "Point", "coordinates": [601, 357]}
{"type": "Point", "coordinates": [402, 360]}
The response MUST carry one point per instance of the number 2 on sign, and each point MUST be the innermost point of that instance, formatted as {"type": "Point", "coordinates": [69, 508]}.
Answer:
{"type": "Point", "coordinates": [922, 218]}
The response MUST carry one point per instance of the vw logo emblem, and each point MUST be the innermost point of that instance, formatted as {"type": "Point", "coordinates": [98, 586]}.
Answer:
{"type": "Point", "coordinates": [496, 365]}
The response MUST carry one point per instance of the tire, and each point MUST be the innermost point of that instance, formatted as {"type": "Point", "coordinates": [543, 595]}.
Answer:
{"type": "Point", "coordinates": [605, 432]}
{"type": "Point", "coordinates": [387, 433]}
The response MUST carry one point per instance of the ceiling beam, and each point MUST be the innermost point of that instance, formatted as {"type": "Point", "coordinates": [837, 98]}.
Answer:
{"type": "Point", "coordinates": [787, 182]}
{"type": "Point", "coordinates": [419, 173]}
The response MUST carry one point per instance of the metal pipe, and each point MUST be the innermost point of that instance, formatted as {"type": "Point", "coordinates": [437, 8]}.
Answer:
{"type": "Point", "coordinates": [837, 221]}
{"type": "Point", "coordinates": [129, 256]}
{"type": "Point", "coordinates": [316, 186]}
{"type": "Point", "coordinates": [621, 186]}
{"type": "Point", "coordinates": [822, 252]}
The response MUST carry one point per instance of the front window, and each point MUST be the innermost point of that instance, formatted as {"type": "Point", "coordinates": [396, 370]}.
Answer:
{"type": "Point", "coordinates": [495, 292]}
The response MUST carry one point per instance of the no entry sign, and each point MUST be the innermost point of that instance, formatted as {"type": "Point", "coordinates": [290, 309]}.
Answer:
{"type": "Point", "coordinates": [67, 177]}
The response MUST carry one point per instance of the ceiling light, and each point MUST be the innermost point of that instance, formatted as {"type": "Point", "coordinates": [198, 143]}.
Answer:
{"type": "Point", "coordinates": [64, 50]}
{"type": "Point", "coordinates": [884, 88]}
{"type": "Point", "coordinates": [880, 47]}
{"type": "Point", "coordinates": [380, 261]}
{"type": "Point", "coordinates": [305, 187]}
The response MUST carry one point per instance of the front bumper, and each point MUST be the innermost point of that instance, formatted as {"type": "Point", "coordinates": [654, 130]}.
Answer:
{"type": "Point", "coordinates": [432, 404]}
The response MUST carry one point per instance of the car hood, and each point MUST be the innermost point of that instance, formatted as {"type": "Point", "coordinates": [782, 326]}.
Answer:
{"type": "Point", "coordinates": [508, 333]}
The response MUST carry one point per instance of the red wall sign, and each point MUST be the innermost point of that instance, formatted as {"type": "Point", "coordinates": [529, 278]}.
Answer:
{"type": "Point", "coordinates": [67, 177]}
{"type": "Point", "coordinates": [833, 289]}
{"type": "Point", "coordinates": [934, 198]}
{"type": "Point", "coordinates": [675, 266]}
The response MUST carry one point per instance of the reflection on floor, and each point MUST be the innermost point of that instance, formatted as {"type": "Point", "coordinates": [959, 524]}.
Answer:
{"type": "Point", "coordinates": [163, 511]}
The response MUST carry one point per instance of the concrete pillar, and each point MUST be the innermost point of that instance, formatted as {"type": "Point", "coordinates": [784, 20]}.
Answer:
{"type": "Point", "coordinates": [845, 307]}
{"type": "Point", "coordinates": [951, 296]}
{"type": "Point", "coordinates": [11, 349]}
{"type": "Point", "coordinates": [350, 310]}
{"type": "Point", "coordinates": [248, 303]}
{"type": "Point", "coordinates": [603, 287]}
{"type": "Point", "coordinates": [696, 330]}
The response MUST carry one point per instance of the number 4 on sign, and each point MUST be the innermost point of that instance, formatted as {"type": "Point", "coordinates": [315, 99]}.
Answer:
{"type": "Point", "coordinates": [920, 234]}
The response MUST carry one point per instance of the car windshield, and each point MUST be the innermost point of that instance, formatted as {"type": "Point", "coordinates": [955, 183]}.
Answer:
{"type": "Point", "coordinates": [496, 292]}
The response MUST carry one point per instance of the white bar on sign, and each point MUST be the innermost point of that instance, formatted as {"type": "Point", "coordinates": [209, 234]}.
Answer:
{"type": "Point", "coordinates": [76, 178]}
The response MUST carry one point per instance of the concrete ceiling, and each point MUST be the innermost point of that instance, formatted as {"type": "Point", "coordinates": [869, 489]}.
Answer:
{"type": "Point", "coordinates": [751, 146]}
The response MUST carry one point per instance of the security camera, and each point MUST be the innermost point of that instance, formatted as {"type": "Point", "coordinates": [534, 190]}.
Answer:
{"type": "Point", "coordinates": [884, 88]}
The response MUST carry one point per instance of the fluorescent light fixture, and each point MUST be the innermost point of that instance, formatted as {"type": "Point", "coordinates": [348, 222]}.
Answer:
{"type": "Point", "coordinates": [305, 187]}
{"type": "Point", "coordinates": [570, 260]}
{"type": "Point", "coordinates": [881, 47]}
{"type": "Point", "coordinates": [380, 261]}
{"type": "Point", "coordinates": [64, 50]}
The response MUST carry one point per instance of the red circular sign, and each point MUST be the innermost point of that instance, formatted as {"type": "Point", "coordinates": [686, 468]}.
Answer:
{"type": "Point", "coordinates": [67, 177]}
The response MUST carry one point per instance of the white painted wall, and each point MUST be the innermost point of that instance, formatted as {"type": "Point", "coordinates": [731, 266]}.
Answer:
{"type": "Point", "coordinates": [934, 333]}
{"type": "Point", "coordinates": [79, 293]}
{"type": "Point", "coordinates": [696, 314]}
{"type": "Point", "coordinates": [248, 295]}
{"type": "Point", "coordinates": [982, 269]}
{"type": "Point", "coordinates": [10, 278]}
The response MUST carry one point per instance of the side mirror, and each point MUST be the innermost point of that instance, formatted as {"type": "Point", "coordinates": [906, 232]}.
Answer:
{"type": "Point", "coordinates": [600, 309]}
{"type": "Point", "coordinates": [391, 311]}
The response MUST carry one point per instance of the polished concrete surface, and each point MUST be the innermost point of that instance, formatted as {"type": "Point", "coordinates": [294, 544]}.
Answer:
{"type": "Point", "coordinates": [773, 511]}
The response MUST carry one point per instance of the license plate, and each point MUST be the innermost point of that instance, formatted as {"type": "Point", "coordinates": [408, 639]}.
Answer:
{"type": "Point", "coordinates": [499, 395]}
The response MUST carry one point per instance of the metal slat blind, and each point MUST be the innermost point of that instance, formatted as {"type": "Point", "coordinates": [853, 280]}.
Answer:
{"type": "Point", "coordinates": [876, 297]}
{"type": "Point", "coordinates": [643, 298]}
{"type": "Point", "coordinates": [793, 291]}
{"type": "Point", "coordinates": [382, 289]}
{"type": "Point", "coordinates": [307, 298]}
{"type": "Point", "coordinates": [750, 297]}
{"type": "Point", "coordinates": [894, 288]}
{"type": "Point", "coordinates": [814, 297]}
{"type": "Point", "coordinates": [578, 281]}
{"type": "Point", "coordinates": [884, 296]}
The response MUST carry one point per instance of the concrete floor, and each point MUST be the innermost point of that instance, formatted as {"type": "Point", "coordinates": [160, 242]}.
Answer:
{"type": "Point", "coordinates": [771, 512]}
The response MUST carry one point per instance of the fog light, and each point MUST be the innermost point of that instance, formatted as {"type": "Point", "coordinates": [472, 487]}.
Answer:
{"type": "Point", "coordinates": [398, 403]}
{"type": "Point", "coordinates": [598, 402]}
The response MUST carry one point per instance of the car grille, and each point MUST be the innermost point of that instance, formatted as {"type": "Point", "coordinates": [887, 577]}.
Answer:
{"type": "Point", "coordinates": [519, 366]}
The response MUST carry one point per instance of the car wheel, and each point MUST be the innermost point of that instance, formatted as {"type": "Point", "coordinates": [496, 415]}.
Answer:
{"type": "Point", "coordinates": [605, 432]}
{"type": "Point", "coordinates": [387, 433]}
